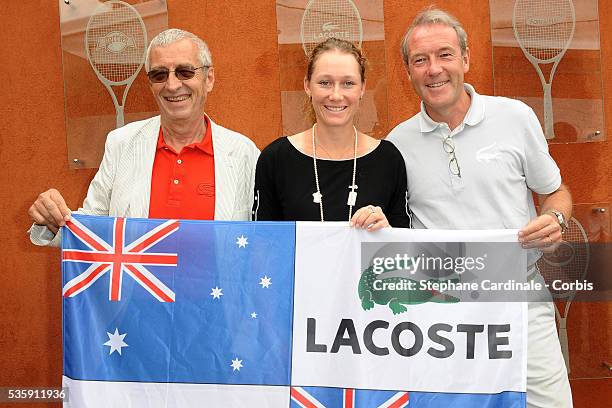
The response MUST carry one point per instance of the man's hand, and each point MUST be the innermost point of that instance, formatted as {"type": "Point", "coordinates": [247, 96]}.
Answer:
{"type": "Point", "coordinates": [50, 210]}
{"type": "Point", "coordinates": [543, 232]}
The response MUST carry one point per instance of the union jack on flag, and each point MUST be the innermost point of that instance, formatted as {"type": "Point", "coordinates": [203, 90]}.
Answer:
{"type": "Point", "coordinates": [323, 397]}
{"type": "Point", "coordinates": [119, 257]}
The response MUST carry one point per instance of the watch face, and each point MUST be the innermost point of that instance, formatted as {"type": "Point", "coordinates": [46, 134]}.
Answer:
{"type": "Point", "coordinates": [560, 219]}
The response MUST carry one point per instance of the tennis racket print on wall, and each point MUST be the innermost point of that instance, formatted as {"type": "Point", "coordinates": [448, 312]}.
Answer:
{"type": "Point", "coordinates": [330, 18]}
{"type": "Point", "coordinates": [544, 30]}
{"type": "Point", "coordinates": [567, 264]}
{"type": "Point", "coordinates": [115, 42]}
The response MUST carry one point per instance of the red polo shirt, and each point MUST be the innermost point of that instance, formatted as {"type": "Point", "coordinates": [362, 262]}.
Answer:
{"type": "Point", "coordinates": [183, 183]}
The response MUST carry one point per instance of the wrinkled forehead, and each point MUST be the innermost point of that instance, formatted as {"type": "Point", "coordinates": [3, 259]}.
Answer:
{"type": "Point", "coordinates": [181, 52]}
{"type": "Point", "coordinates": [432, 37]}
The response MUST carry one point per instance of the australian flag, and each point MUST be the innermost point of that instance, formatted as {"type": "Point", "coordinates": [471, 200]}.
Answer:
{"type": "Point", "coordinates": [223, 315]}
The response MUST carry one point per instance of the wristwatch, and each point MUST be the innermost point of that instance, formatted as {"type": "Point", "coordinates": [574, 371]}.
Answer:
{"type": "Point", "coordinates": [559, 216]}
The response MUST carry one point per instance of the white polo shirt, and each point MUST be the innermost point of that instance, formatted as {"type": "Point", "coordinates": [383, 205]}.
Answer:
{"type": "Point", "coordinates": [502, 154]}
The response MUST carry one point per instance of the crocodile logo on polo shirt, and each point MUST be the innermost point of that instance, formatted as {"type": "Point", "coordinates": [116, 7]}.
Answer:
{"type": "Point", "coordinates": [488, 154]}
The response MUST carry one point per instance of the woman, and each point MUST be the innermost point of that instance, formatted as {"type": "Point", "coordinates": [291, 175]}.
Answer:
{"type": "Point", "coordinates": [332, 172]}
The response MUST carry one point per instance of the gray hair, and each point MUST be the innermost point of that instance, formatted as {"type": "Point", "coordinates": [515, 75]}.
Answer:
{"type": "Point", "coordinates": [433, 15]}
{"type": "Point", "coordinates": [173, 35]}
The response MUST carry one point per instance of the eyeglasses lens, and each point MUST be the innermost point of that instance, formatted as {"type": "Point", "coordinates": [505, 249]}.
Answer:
{"type": "Point", "coordinates": [158, 75]}
{"type": "Point", "coordinates": [449, 146]}
{"type": "Point", "coordinates": [453, 164]}
{"type": "Point", "coordinates": [184, 73]}
{"type": "Point", "coordinates": [161, 75]}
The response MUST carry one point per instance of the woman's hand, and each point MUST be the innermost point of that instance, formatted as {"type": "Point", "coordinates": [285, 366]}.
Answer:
{"type": "Point", "coordinates": [369, 217]}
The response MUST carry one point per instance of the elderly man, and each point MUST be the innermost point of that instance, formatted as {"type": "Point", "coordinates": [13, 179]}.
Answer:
{"type": "Point", "coordinates": [472, 162]}
{"type": "Point", "coordinates": [179, 164]}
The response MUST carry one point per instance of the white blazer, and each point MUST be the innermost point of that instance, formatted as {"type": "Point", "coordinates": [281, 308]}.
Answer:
{"type": "Point", "coordinates": [122, 185]}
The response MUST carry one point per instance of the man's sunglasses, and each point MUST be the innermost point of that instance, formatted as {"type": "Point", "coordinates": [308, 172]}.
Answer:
{"type": "Point", "coordinates": [182, 73]}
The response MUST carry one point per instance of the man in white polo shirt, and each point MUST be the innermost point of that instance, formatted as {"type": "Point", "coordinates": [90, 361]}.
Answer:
{"type": "Point", "coordinates": [473, 162]}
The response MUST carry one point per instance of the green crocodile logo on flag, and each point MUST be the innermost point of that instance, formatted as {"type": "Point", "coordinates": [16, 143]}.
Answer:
{"type": "Point", "coordinates": [396, 292]}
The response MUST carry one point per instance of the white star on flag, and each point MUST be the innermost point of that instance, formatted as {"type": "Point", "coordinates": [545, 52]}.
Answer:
{"type": "Point", "coordinates": [241, 241]}
{"type": "Point", "coordinates": [236, 364]}
{"type": "Point", "coordinates": [216, 293]}
{"type": "Point", "coordinates": [254, 315]}
{"type": "Point", "coordinates": [116, 341]}
{"type": "Point", "coordinates": [265, 282]}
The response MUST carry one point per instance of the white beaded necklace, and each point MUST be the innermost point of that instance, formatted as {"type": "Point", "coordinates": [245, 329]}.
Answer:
{"type": "Point", "coordinates": [317, 197]}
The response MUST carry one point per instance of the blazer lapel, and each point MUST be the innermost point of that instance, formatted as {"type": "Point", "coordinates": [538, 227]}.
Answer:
{"type": "Point", "coordinates": [143, 156]}
{"type": "Point", "coordinates": [226, 169]}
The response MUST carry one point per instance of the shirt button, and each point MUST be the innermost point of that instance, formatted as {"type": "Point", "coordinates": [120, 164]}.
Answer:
{"type": "Point", "coordinates": [179, 161]}
{"type": "Point", "coordinates": [175, 181]}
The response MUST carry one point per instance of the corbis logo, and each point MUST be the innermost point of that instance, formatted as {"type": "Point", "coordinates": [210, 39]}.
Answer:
{"type": "Point", "coordinates": [115, 42]}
